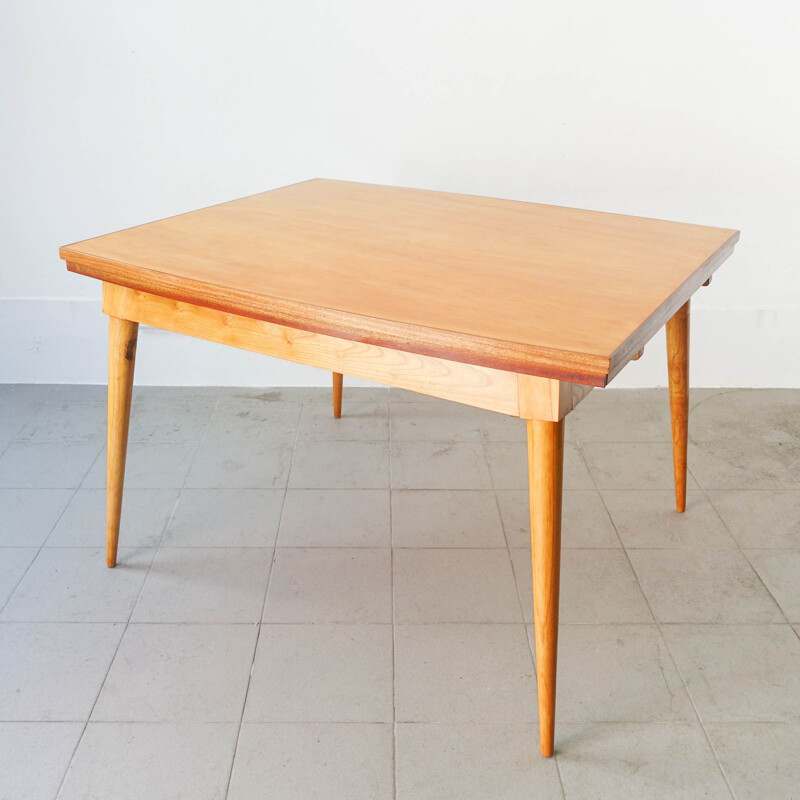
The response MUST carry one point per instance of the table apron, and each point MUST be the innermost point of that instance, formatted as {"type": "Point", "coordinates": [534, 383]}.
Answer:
{"type": "Point", "coordinates": [483, 387]}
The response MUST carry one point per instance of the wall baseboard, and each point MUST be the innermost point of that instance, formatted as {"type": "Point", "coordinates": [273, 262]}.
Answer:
{"type": "Point", "coordinates": [64, 341]}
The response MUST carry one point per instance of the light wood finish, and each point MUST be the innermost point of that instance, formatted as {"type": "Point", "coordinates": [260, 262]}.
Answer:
{"type": "Point", "coordinates": [478, 386]}
{"type": "Point", "coordinates": [122, 335]}
{"type": "Point", "coordinates": [638, 355]}
{"type": "Point", "coordinates": [548, 399]}
{"type": "Point", "coordinates": [678, 367]}
{"type": "Point", "coordinates": [545, 471]}
{"type": "Point", "coordinates": [540, 290]}
{"type": "Point", "coordinates": [337, 394]}
{"type": "Point", "coordinates": [513, 307]}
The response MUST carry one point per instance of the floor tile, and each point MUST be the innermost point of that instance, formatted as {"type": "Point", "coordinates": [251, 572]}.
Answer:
{"type": "Point", "coordinates": [205, 584]}
{"type": "Point", "coordinates": [80, 393]}
{"type": "Point", "coordinates": [734, 415]}
{"type": "Point", "coordinates": [596, 586]}
{"type": "Point", "coordinates": [66, 422]}
{"type": "Point", "coordinates": [129, 761]}
{"type": "Point", "coordinates": [509, 464]}
{"type": "Point", "coordinates": [28, 515]}
{"type": "Point", "coordinates": [252, 419]}
{"type": "Point", "coordinates": [584, 519]}
{"type": "Point", "coordinates": [27, 392]}
{"type": "Point", "coordinates": [364, 422]}
{"type": "Point", "coordinates": [473, 762]}
{"type": "Point", "coordinates": [789, 454]}
{"type": "Point", "coordinates": [34, 757]}
{"type": "Point", "coordinates": [780, 572]}
{"type": "Point", "coordinates": [350, 394]}
{"type": "Point", "coordinates": [439, 465]}
{"type": "Point", "coordinates": [149, 465]}
{"type": "Point", "coordinates": [14, 416]}
{"type": "Point", "coordinates": [502, 428]}
{"type": "Point", "coordinates": [265, 394]}
{"type": "Point", "coordinates": [740, 465]}
{"type": "Point", "coordinates": [336, 518]}
{"type": "Point", "coordinates": [246, 464]}
{"type": "Point", "coordinates": [145, 513]}
{"type": "Point", "coordinates": [225, 518]}
{"type": "Point", "coordinates": [431, 422]}
{"type": "Point", "coordinates": [760, 759]}
{"type": "Point", "coordinates": [74, 585]}
{"type": "Point", "coordinates": [178, 673]}
{"type": "Point", "coordinates": [703, 586]}
{"type": "Point", "coordinates": [632, 465]}
{"type": "Point", "coordinates": [760, 519]}
{"type": "Point", "coordinates": [8, 433]}
{"type": "Point", "coordinates": [611, 394]}
{"type": "Point", "coordinates": [322, 673]}
{"type": "Point", "coordinates": [454, 585]}
{"type": "Point", "coordinates": [758, 398]}
{"type": "Point", "coordinates": [175, 421]}
{"type": "Point", "coordinates": [463, 673]}
{"type": "Point", "coordinates": [340, 465]}
{"type": "Point", "coordinates": [442, 518]}
{"type": "Point", "coordinates": [168, 394]}
{"type": "Point", "coordinates": [739, 673]}
{"type": "Point", "coordinates": [306, 761]}
{"type": "Point", "coordinates": [37, 660]}
{"type": "Point", "coordinates": [618, 673]}
{"type": "Point", "coordinates": [322, 688]}
{"type": "Point", "coordinates": [618, 422]}
{"type": "Point", "coordinates": [631, 761]}
{"type": "Point", "coordinates": [323, 584]}
{"type": "Point", "coordinates": [29, 465]}
{"type": "Point", "coordinates": [14, 562]}
{"type": "Point", "coordinates": [649, 519]}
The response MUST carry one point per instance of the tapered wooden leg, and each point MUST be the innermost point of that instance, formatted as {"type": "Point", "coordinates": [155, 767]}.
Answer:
{"type": "Point", "coordinates": [545, 470]}
{"type": "Point", "coordinates": [121, 359]}
{"type": "Point", "coordinates": [337, 394]}
{"type": "Point", "coordinates": [678, 364]}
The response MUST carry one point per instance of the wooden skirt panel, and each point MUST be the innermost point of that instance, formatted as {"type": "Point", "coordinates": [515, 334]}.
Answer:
{"type": "Point", "coordinates": [483, 387]}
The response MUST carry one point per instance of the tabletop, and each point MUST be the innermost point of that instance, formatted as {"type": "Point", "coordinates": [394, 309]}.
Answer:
{"type": "Point", "coordinates": [536, 289]}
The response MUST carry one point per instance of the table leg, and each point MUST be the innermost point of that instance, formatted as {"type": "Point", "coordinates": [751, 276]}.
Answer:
{"type": "Point", "coordinates": [337, 394]}
{"type": "Point", "coordinates": [545, 471]}
{"type": "Point", "coordinates": [122, 336]}
{"type": "Point", "coordinates": [678, 364]}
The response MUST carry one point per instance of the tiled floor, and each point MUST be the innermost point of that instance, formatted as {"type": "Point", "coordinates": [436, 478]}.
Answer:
{"type": "Point", "coordinates": [307, 607]}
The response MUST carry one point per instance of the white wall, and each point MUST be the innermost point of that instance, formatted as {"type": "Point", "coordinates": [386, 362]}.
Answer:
{"type": "Point", "coordinates": [114, 113]}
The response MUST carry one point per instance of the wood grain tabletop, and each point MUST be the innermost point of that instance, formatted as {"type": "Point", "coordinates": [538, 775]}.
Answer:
{"type": "Point", "coordinates": [530, 288]}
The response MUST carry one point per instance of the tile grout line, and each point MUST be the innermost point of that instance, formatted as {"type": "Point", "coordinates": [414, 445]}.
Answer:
{"type": "Point", "coordinates": [15, 438]}
{"type": "Point", "coordinates": [16, 586]}
{"type": "Point", "coordinates": [505, 539]}
{"type": "Point", "coordinates": [63, 510]}
{"type": "Point", "coordinates": [741, 550]}
{"type": "Point", "coordinates": [133, 605]}
{"type": "Point", "coordinates": [661, 626]}
{"type": "Point", "coordinates": [663, 639]}
{"type": "Point", "coordinates": [41, 546]}
{"type": "Point", "coordinates": [260, 621]}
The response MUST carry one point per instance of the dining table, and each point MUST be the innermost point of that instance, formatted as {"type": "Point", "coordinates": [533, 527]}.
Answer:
{"type": "Point", "coordinates": [516, 307]}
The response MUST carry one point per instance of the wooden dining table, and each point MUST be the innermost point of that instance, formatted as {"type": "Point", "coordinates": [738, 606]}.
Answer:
{"type": "Point", "coordinates": [515, 307]}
